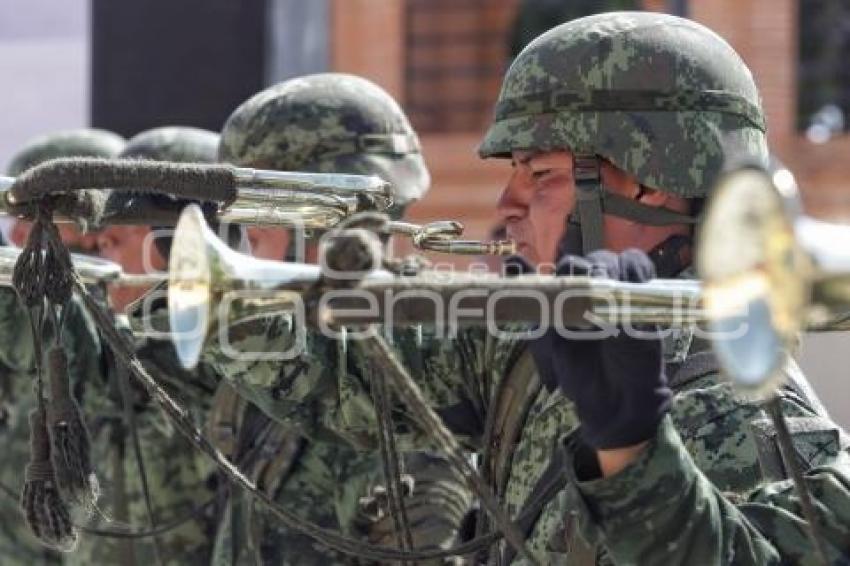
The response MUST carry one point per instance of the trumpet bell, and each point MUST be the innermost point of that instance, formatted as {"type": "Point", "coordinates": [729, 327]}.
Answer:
{"type": "Point", "coordinates": [188, 286]}
{"type": "Point", "coordinates": [206, 279]}
{"type": "Point", "coordinates": [757, 274]}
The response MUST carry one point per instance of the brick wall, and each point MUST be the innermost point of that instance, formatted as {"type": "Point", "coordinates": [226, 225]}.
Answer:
{"type": "Point", "coordinates": [455, 59]}
{"type": "Point", "coordinates": [367, 39]}
{"type": "Point", "coordinates": [382, 40]}
{"type": "Point", "coordinates": [764, 32]}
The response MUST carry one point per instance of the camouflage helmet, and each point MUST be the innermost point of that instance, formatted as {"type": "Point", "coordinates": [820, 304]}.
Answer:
{"type": "Point", "coordinates": [82, 142]}
{"type": "Point", "coordinates": [661, 97]}
{"type": "Point", "coordinates": [173, 143]}
{"type": "Point", "coordinates": [181, 144]}
{"type": "Point", "coordinates": [329, 122]}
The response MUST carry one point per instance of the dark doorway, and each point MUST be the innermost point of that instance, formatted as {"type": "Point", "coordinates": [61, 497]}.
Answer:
{"type": "Point", "coordinates": [186, 62]}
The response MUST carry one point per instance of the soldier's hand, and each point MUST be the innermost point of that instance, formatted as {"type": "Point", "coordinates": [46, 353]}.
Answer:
{"type": "Point", "coordinates": [617, 382]}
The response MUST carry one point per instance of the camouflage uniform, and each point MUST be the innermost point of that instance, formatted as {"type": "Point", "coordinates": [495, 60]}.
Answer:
{"type": "Point", "coordinates": [178, 477]}
{"type": "Point", "coordinates": [344, 124]}
{"type": "Point", "coordinates": [17, 546]}
{"type": "Point", "coordinates": [667, 101]}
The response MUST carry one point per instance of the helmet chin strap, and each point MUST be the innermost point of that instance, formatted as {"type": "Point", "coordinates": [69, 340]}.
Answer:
{"type": "Point", "coordinates": [587, 170]}
{"type": "Point", "coordinates": [585, 229]}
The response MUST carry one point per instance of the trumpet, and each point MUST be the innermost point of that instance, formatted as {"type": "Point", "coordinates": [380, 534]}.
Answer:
{"type": "Point", "coordinates": [212, 287]}
{"type": "Point", "coordinates": [92, 270]}
{"type": "Point", "coordinates": [766, 268]}
{"type": "Point", "coordinates": [314, 201]}
{"type": "Point", "coordinates": [277, 198]}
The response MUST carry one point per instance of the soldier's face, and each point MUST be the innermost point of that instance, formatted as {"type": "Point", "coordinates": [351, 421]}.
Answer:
{"type": "Point", "coordinates": [76, 241]}
{"type": "Point", "coordinates": [268, 243]}
{"type": "Point", "coordinates": [540, 195]}
{"type": "Point", "coordinates": [129, 247]}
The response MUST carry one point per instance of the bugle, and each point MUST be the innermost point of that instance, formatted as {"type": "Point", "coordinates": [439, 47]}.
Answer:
{"type": "Point", "coordinates": [312, 201]}
{"type": "Point", "coordinates": [276, 198]}
{"type": "Point", "coordinates": [90, 269]}
{"type": "Point", "coordinates": [212, 287]}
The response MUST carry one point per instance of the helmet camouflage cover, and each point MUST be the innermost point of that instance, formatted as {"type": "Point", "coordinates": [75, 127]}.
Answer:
{"type": "Point", "coordinates": [181, 144]}
{"type": "Point", "coordinates": [661, 97]}
{"type": "Point", "coordinates": [173, 143]}
{"type": "Point", "coordinates": [328, 123]}
{"type": "Point", "coordinates": [82, 142]}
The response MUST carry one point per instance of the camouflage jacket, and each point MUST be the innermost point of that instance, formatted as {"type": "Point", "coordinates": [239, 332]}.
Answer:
{"type": "Point", "coordinates": [177, 475]}
{"type": "Point", "coordinates": [462, 379]}
{"type": "Point", "coordinates": [663, 509]}
{"type": "Point", "coordinates": [17, 398]}
{"type": "Point", "coordinates": [319, 477]}
{"type": "Point", "coordinates": [180, 479]}
{"type": "Point", "coordinates": [341, 489]}
{"type": "Point", "coordinates": [175, 472]}
{"type": "Point", "coordinates": [324, 480]}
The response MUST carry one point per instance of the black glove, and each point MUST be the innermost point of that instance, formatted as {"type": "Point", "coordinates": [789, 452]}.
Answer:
{"type": "Point", "coordinates": [617, 383]}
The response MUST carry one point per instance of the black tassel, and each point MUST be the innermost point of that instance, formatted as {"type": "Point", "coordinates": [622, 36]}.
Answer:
{"type": "Point", "coordinates": [44, 510]}
{"type": "Point", "coordinates": [44, 267]}
{"type": "Point", "coordinates": [70, 447]}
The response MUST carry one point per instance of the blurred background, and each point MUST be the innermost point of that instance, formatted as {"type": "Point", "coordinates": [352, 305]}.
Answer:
{"type": "Point", "coordinates": [127, 65]}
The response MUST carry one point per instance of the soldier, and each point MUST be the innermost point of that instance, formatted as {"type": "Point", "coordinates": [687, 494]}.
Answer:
{"type": "Point", "coordinates": [83, 142]}
{"type": "Point", "coordinates": [618, 115]}
{"type": "Point", "coordinates": [143, 249]}
{"type": "Point", "coordinates": [343, 124]}
{"type": "Point", "coordinates": [17, 546]}
{"type": "Point", "coordinates": [117, 412]}
{"type": "Point", "coordinates": [176, 477]}
{"type": "Point", "coordinates": [628, 141]}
